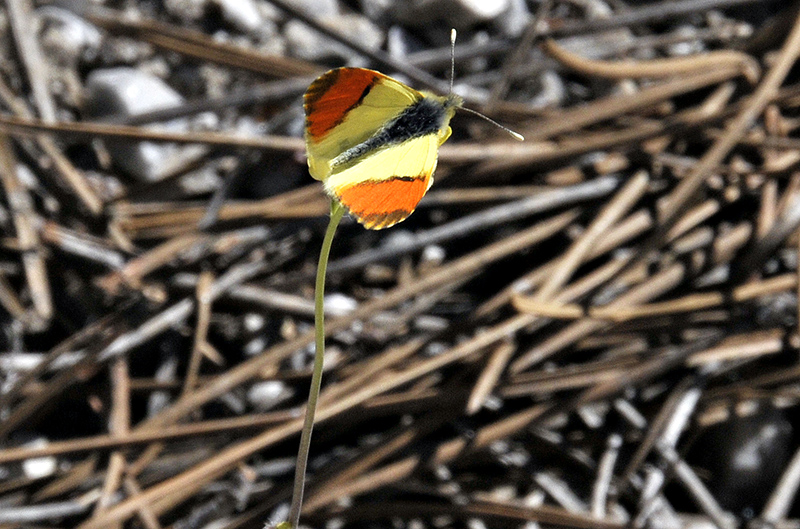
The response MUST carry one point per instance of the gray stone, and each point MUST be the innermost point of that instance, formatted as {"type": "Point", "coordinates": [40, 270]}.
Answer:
{"type": "Point", "coordinates": [337, 304]}
{"type": "Point", "coordinates": [39, 467]}
{"type": "Point", "coordinates": [376, 10]}
{"type": "Point", "coordinates": [398, 42]}
{"type": "Point", "coordinates": [318, 9]}
{"type": "Point", "coordinates": [268, 394]}
{"type": "Point", "coordinates": [513, 21]}
{"type": "Point", "coordinates": [244, 15]}
{"type": "Point", "coordinates": [186, 10]}
{"type": "Point", "coordinates": [598, 45]}
{"type": "Point", "coordinates": [66, 37]}
{"type": "Point", "coordinates": [306, 43]}
{"type": "Point", "coordinates": [690, 46]}
{"type": "Point", "coordinates": [552, 91]}
{"type": "Point", "coordinates": [454, 13]}
{"type": "Point", "coordinates": [127, 92]}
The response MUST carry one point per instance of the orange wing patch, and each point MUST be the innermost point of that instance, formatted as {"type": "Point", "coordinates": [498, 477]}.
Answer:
{"type": "Point", "coordinates": [379, 204]}
{"type": "Point", "coordinates": [333, 95]}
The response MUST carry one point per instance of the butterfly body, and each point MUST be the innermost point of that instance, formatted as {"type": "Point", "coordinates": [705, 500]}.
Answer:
{"type": "Point", "coordinates": [374, 142]}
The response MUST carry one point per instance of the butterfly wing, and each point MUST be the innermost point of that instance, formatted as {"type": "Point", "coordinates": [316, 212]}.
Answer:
{"type": "Point", "coordinates": [385, 186]}
{"type": "Point", "coordinates": [346, 106]}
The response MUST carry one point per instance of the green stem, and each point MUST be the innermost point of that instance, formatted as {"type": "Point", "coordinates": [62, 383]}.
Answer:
{"type": "Point", "coordinates": [316, 377]}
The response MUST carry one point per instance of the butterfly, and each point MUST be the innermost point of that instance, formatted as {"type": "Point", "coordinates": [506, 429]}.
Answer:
{"type": "Point", "coordinates": [374, 142]}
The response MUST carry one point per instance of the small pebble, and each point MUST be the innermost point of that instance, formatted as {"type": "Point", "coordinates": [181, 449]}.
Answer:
{"type": "Point", "coordinates": [276, 467]}
{"type": "Point", "coordinates": [186, 10]}
{"type": "Point", "coordinates": [244, 15]}
{"type": "Point", "coordinates": [254, 322]}
{"type": "Point", "coordinates": [433, 254]}
{"type": "Point", "coordinates": [426, 323]}
{"type": "Point", "coordinates": [398, 42]}
{"type": "Point", "coordinates": [689, 46]}
{"type": "Point", "coordinates": [398, 238]}
{"type": "Point", "coordinates": [307, 43]}
{"type": "Point", "coordinates": [552, 91]}
{"type": "Point", "coordinates": [234, 402]}
{"type": "Point", "coordinates": [317, 9]}
{"type": "Point", "coordinates": [514, 19]}
{"type": "Point", "coordinates": [377, 10]}
{"type": "Point", "coordinates": [200, 182]}
{"type": "Point", "coordinates": [598, 45]}
{"type": "Point", "coordinates": [453, 13]}
{"type": "Point", "coordinates": [126, 92]}
{"type": "Point", "coordinates": [255, 346]}
{"type": "Point", "coordinates": [39, 467]}
{"type": "Point", "coordinates": [337, 304]}
{"type": "Point", "coordinates": [66, 36]}
{"type": "Point", "coordinates": [335, 523]}
{"type": "Point", "coordinates": [267, 394]}
{"type": "Point", "coordinates": [166, 372]}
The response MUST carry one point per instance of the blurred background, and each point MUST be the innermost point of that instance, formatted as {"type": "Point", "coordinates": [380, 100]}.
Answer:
{"type": "Point", "coordinates": [594, 328]}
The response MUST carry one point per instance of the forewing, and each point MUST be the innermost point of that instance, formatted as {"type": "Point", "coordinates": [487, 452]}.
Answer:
{"type": "Point", "coordinates": [346, 106]}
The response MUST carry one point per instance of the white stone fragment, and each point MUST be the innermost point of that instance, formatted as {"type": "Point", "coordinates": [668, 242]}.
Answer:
{"type": "Point", "coordinates": [337, 304]}
{"type": "Point", "coordinates": [127, 91]}
{"type": "Point", "coordinates": [244, 15]}
{"type": "Point", "coordinates": [39, 467]}
{"type": "Point", "coordinates": [267, 394]}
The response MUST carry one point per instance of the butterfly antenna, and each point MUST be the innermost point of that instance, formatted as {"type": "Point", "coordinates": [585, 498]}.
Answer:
{"type": "Point", "coordinates": [452, 57]}
{"type": "Point", "coordinates": [515, 135]}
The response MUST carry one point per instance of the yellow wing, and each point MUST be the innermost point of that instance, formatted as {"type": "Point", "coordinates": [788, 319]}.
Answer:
{"type": "Point", "coordinates": [346, 106]}
{"type": "Point", "coordinates": [384, 187]}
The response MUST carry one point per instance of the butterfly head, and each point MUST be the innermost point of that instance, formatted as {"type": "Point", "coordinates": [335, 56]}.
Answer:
{"type": "Point", "coordinates": [452, 102]}
{"type": "Point", "coordinates": [446, 107]}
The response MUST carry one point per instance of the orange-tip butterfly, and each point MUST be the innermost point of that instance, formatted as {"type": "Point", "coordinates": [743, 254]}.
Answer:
{"type": "Point", "coordinates": [374, 142]}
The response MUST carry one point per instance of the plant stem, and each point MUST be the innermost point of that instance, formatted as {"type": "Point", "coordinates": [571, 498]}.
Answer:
{"type": "Point", "coordinates": [316, 377]}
